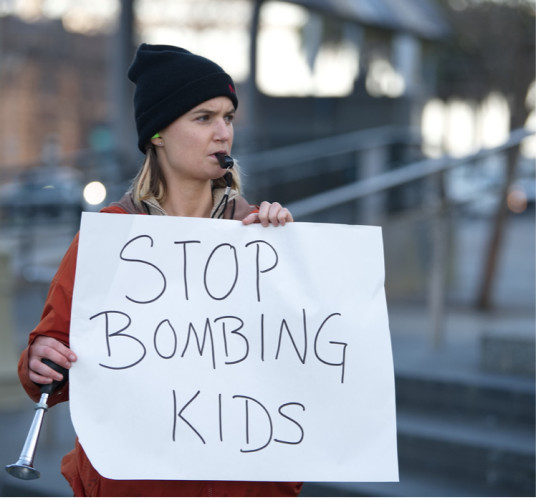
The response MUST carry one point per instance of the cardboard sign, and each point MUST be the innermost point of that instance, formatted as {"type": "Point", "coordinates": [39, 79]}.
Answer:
{"type": "Point", "coordinates": [209, 350]}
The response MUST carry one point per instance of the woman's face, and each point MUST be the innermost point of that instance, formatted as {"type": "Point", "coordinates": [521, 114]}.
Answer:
{"type": "Point", "coordinates": [189, 144]}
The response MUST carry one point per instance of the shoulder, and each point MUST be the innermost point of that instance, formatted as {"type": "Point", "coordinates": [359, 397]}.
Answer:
{"type": "Point", "coordinates": [124, 206]}
{"type": "Point", "coordinates": [113, 209]}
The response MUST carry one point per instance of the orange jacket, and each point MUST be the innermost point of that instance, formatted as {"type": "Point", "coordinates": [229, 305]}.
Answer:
{"type": "Point", "coordinates": [76, 467]}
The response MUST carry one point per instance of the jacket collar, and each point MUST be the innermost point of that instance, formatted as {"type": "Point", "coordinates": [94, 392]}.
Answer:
{"type": "Point", "coordinates": [238, 208]}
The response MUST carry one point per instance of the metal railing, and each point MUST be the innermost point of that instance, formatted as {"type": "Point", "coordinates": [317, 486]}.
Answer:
{"type": "Point", "coordinates": [398, 177]}
{"type": "Point", "coordinates": [281, 158]}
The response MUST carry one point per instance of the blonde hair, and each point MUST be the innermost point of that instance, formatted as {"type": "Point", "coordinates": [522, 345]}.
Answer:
{"type": "Point", "coordinates": [150, 182]}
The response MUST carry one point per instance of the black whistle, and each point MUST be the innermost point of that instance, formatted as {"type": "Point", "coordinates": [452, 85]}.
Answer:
{"type": "Point", "coordinates": [225, 161]}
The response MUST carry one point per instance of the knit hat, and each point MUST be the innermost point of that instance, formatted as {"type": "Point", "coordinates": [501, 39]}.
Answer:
{"type": "Point", "coordinates": [170, 81]}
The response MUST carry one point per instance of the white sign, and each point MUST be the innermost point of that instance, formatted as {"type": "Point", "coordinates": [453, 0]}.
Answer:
{"type": "Point", "coordinates": [209, 350]}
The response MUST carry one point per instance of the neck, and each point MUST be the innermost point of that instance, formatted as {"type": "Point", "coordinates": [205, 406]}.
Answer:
{"type": "Point", "coordinates": [189, 200]}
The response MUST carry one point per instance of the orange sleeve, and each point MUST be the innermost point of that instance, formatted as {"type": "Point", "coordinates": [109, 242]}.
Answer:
{"type": "Point", "coordinates": [55, 321]}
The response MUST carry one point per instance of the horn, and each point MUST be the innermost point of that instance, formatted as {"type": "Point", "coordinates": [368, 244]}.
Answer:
{"type": "Point", "coordinates": [24, 467]}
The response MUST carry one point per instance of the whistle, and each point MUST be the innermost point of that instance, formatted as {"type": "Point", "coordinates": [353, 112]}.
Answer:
{"type": "Point", "coordinates": [225, 161]}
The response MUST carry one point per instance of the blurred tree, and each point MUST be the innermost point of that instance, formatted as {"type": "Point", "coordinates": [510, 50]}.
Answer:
{"type": "Point", "coordinates": [493, 49]}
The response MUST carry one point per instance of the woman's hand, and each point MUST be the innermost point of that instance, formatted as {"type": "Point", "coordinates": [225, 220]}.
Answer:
{"type": "Point", "coordinates": [48, 348]}
{"type": "Point", "coordinates": [270, 213]}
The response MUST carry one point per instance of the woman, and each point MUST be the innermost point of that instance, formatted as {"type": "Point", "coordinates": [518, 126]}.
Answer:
{"type": "Point", "coordinates": [184, 110]}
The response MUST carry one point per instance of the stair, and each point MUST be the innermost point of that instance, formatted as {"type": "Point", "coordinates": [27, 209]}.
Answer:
{"type": "Point", "coordinates": [458, 436]}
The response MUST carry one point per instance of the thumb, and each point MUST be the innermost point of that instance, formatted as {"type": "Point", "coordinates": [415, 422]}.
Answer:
{"type": "Point", "coordinates": [251, 218]}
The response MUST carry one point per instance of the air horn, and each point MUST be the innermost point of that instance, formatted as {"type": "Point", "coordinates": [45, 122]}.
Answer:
{"type": "Point", "coordinates": [23, 468]}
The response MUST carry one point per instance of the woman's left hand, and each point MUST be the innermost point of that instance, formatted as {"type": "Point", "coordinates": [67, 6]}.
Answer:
{"type": "Point", "coordinates": [270, 213]}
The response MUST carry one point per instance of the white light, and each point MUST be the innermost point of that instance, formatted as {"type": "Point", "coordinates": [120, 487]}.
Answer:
{"type": "Point", "coordinates": [493, 120]}
{"type": "Point", "coordinates": [383, 80]}
{"type": "Point", "coordinates": [295, 60]}
{"type": "Point", "coordinates": [94, 193]}
{"type": "Point", "coordinates": [460, 127]}
{"type": "Point", "coordinates": [433, 127]}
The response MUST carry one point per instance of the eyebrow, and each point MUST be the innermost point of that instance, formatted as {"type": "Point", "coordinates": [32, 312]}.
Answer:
{"type": "Point", "coordinates": [210, 111]}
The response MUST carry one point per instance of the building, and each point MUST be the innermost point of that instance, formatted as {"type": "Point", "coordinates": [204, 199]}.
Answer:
{"type": "Point", "coordinates": [53, 87]}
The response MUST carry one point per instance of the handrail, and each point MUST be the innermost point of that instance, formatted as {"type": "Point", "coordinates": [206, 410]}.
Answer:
{"type": "Point", "coordinates": [282, 157]}
{"type": "Point", "coordinates": [397, 177]}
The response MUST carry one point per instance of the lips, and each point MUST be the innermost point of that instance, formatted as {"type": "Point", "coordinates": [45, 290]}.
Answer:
{"type": "Point", "coordinates": [221, 152]}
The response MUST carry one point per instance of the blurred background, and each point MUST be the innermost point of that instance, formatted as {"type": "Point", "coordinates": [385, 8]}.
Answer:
{"type": "Point", "coordinates": [414, 115]}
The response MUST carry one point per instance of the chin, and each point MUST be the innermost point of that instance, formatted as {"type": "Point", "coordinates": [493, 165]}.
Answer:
{"type": "Point", "coordinates": [220, 174]}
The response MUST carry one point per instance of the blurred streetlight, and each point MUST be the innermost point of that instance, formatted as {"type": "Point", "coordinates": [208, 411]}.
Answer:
{"type": "Point", "coordinates": [94, 193]}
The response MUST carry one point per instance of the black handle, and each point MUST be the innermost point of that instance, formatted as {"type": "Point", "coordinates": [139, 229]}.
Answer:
{"type": "Point", "coordinates": [55, 384]}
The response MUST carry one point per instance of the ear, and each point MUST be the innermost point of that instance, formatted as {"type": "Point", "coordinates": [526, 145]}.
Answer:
{"type": "Point", "coordinates": [157, 140]}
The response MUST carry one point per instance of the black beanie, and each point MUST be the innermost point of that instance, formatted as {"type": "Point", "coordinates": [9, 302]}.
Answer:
{"type": "Point", "coordinates": [169, 82]}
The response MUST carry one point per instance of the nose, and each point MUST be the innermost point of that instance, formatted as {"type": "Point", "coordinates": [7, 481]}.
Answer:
{"type": "Point", "coordinates": [223, 130]}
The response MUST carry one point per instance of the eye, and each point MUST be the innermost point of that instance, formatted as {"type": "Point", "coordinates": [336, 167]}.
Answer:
{"type": "Point", "coordinates": [229, 117]}
{"type": "Point", "coordinates": [202, 118]}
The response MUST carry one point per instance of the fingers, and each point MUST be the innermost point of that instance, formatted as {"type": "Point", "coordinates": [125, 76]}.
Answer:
{"type": "Point", "coordinates": [48, 348]}
{"type": "Point", "coordinates": [270, 213]}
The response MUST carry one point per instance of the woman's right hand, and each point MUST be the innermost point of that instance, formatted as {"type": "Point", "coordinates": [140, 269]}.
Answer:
{"type": "Point", "coordinates": [48, 348]}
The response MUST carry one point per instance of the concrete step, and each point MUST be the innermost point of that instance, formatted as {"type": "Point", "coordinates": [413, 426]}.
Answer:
{"type": "Point", "coordinates": [508, 354]}
{"type": "Point", "coordinates": [470, 449]}
{"type": "Point", "coordinates": [411, 484]}
{"type": "Point", "coordinates": [472, 427]}
{"type": "Point", "coordinates": [496, 398]}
